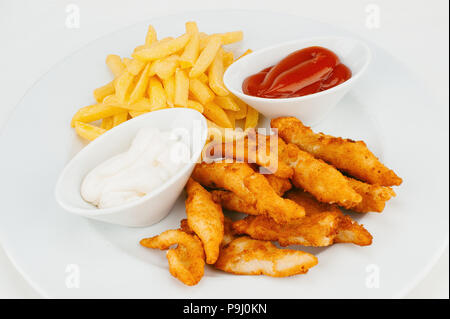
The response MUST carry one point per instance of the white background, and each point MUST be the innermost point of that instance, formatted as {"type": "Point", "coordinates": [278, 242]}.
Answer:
{"type": "Point", "coordinates": [34, 37]}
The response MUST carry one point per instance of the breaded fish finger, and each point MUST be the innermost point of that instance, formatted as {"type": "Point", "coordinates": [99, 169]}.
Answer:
{"type": "Point", "coordinates": [317, 230]}
{"type": "Point", "coordinates": [279, 185]}
{"type": "Point", "coordinates": [205, 218]}
{"type": "Point", "coordinates": [187, 261]}
{"type": "Point", "coordinates": [253, 148]}
{"type": "Point", "coordinates": [374, 197]}
{"type": "Point", "coordinates": [269, 203]}
{"type": "Point", "coordinates": [320, 179]}
{"type": "Point", "coordinates": [246, 256]}
{"type": "Point", "coordinates": [352, 157]}
{"type": "Point", "coordinates": [229, 176]}
{"type": "Point", "coordinates": [228, 235]}
{"type": "Point", "coordinates": [265, 200]}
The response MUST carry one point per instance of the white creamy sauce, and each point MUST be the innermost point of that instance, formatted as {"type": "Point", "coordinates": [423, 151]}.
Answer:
{"type": "Point", "coordinates": [152, 158]}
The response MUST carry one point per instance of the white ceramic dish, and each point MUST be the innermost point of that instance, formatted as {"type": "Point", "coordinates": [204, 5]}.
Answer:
{"type": "Point", "coordinates": [383, 109]}
{"type": "Point", "coordinates": [310, 108]}
{"type": "Point", "coordinates": [150, 208]}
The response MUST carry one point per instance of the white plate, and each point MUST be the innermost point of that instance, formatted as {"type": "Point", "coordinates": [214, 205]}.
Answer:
{"type": "Point", "coordinates": [388, 108]}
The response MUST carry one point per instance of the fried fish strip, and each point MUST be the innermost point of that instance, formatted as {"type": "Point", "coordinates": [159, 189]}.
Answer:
{"type": "Point", "coordinates": [236, 176]}
{"type": "Point", "coordinates": [352, 157]}
{"type": "Point", "coordinates": [317, 230]}
{"type": "Point", "coordinates": [322, 180]}
{"type": "Point", "coordinates": [231, 201]}
{"type": "Point", "coordinates": [187, 261]}
{"type": "Point", "coordinates": [374, 197]}
{"type": "Point", "coordinates": [229, 176]}
{"type": "Point", "coordinates": [228, 235]}
{"type": "Point", "coordinates": [254, 148]}
{"type": "Point", "coordinates": [246, 256]}
{"type": "Point", "coordinates": [205, 218]}
{"type": "Point", "coordinates": [349, 231]}
{"type": "Point", "coordinates": [279, 185]}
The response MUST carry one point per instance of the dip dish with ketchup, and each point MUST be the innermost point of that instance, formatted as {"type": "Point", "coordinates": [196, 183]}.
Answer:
{"type": "Point", "coordinates": [303, 78]}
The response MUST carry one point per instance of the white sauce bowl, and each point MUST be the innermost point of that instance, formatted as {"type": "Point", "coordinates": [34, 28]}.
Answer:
{"type": "Point", "coordinates": [152, 207]}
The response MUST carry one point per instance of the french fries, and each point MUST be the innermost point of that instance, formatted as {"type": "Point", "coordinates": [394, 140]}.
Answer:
{"type": "Point", "coordinates": [88, 131]}
{"type": "Point", "coordinates": [200, 91]}
{"type": "Point", "coordinates": [184, 71]}
{"type": "Point", "coordinates": [206, 56]}
{"type": "Point", "coordinates": [181, 88]}
{"type": "Point", "coordinates": [157, 94]}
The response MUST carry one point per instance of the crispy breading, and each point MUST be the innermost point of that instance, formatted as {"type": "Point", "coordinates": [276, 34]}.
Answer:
{"type": "Point", "coordinates": [352, 157]}
{"type": "Point", "coordinates": [323, 225]}
{"type": "Point", "coordinates": [317, 230]}
{"type": "Point", "coordinates": [311, 205]}
{"type": "Point", "coordinates": [228, 235]}
{"type": "Point", "coordinates": [187, 260]}
{"type": "Point", "coordinates": [205, 218]}
{"type": "Point", "coordinates": [265, 200]}
{"type": "Point", "coordinates": [246, 256]}
{"type": "Point", "coordinates": [269, 203]}
{"type": "Point", "coordinates": [320, 179]}
{"type": "Point", "coordinates": [374, 197]}
{"type": "Point", "coordinates": [253, 148]}
{"type": "Point", "coordinates": [280, 185]}
{"type": "Point", "coordinates": [231, 201]}
{"type": "Point", "coordinates": [349, 231]}
{"type": "Point", "coordinates": [228, 176]}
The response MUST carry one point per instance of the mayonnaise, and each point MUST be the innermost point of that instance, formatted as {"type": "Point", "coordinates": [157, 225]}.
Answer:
{"type": "Point", "coordinates": [152, 158]}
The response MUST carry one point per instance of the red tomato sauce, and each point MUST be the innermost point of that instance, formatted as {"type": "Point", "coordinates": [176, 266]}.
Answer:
{"type": "Point", "coordinates": [302, 72]}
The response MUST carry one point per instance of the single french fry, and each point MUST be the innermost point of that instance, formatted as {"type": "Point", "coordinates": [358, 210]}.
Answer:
{"type": "Point", "coordinates": [115, 64]}
{"type": "Point", "coordinates": [165, 68]}
{"type": "Point", "coordinates": [206, 57]}
{"type": "Point", "coordinates": [103, 91]}
{"type": "Point", "coordinates": [245, 53]}
{"type": "Point", "coordinates": [251, 121]}
{"type": "Point", "coordinates": [231, 117]}
{"type": "Point", "coordinates": [135, 66]}
{"type": "Point", "coordinates": [204, 78]}
{"type": "Point", "coordinates": [150, 38]}
{"type": "Point", "coordinates": [195, 105]}
{"type": "Point", "coordinates": [227, 103]}
{"type": "Point", "coordinates": [107, 123]}
{"type": "Point", "coordinates": [88, 131]}
{"type": "Point", "coordinates": [162, 49]}
{"type": "Point", "coordinates": [242, 112]}
{"type": "Point", "coordinates": [216, 114]}
{"type": "Point", "coordinates": [190, 53]}
{"type": "Point", "coordinates": [123, 86]}
{"type": "Point", "coordinates": [157, 94]}
{"type": "Point", "coordinates": [95, 112]}
{"type": "Point", "coordinates": [169, 87]}
{"type": "Point", "coordinates": [215, 75]}
{"type": "Point", "coordinates": [231, 37]}
{"type": "Point", "coordinates": [142, 105]}
{"type": "Point", "coordinates": [225, 38]}
{"type": "Point", "coordinates": [133, 114]}
{"type": "Point", "coordinates": [228, 58]}
{"type": "Point", "coordinates": [200, 91]}
{"type": "Point", "coordinates": [126, 61]}
{"type": "Point", "coordinates": [120, 118]}
{"type": "Point", "coordinates": [181, 88]}
{"type": "Point", "coordinates": [142, 84]}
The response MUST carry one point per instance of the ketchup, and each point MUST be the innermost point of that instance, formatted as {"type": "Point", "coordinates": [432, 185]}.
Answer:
{"type": "Point", "coordinates": [302, 72]}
